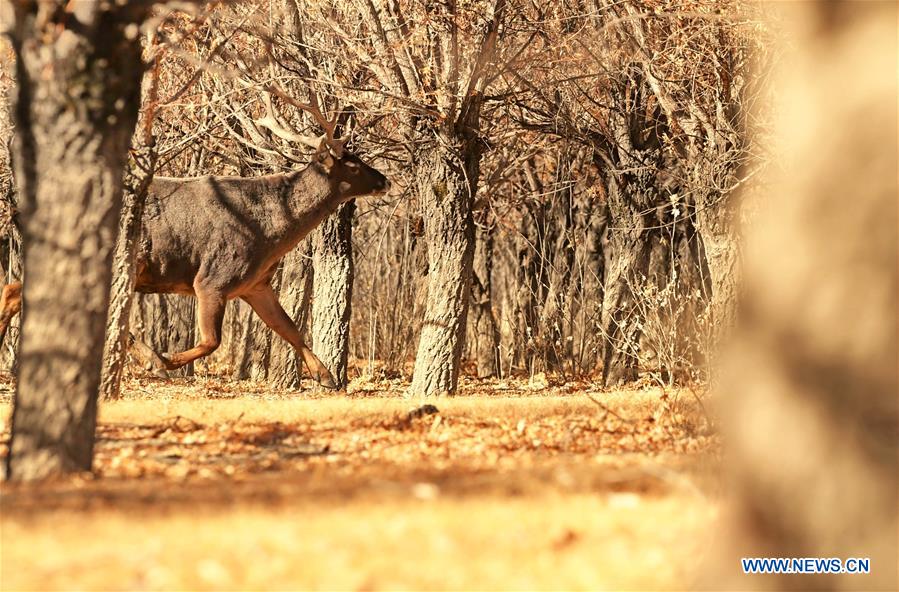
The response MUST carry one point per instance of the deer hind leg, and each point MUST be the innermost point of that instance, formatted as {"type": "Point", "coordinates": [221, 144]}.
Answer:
{"type": "Point", "coordinates": [266, 305]}
{"type": "Point", "coordinates": [211, 313]}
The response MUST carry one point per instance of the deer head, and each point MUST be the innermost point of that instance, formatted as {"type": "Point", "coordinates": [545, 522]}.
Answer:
{"type": "Point", "coordinates": [349, 176]}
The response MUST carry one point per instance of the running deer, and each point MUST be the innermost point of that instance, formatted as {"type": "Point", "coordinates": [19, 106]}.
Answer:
{"type": "Point", "coordinates": [219, 238]}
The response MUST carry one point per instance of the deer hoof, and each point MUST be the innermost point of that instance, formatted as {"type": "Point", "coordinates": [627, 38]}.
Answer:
{"type": "Point", "coordinates": [325, 380]}
{"type": "Point", "coordinates": [167, 364]}
{"type": "Point", "coordinates": [159, 372]}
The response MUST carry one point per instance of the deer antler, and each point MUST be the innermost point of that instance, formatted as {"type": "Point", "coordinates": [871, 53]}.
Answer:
{"type": "Point", "coordinates": [273, 124]}
{"type": "Point", "coordinates": [335, 145]}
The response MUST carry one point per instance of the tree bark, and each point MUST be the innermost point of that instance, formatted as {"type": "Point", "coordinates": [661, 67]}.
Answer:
{"type": "Point", "coordinates": [627, 253]}
{"type": "Point", "coordinates": [332, 260]}
{"type": "Point", "coordinates": [530, 282]}
{"type": "Point", "coordinates": [249, 347]}
{"type": "Point", "coordinates": [628, 161]}
{"type": "Point", "coordinates": [249, 343]}
{"type": "Point", "coordinates": [10, 237]}
{"type": "Point", "coordinates": [447, 184]}
{"type": "Point", "coordinates": [115, 349]}
{"type": "Point", "coordinates": [11, 262]}
{"type": "Point", "coordinates": [79, 70]}
{"type": "Point", "coordinates": [137, 181]}
{"type": "Point", "coordinates": [560, 263]}
{"type": "Point", "coordinates": [166, 323]}
{"type": "Point", "coordinates": [717, 229]}
{"type": "Point", "coordinates": [486, 342]}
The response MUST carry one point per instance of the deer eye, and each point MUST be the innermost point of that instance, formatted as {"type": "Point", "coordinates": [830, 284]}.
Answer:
{"type": "Point", "coordinates": [352, 166]}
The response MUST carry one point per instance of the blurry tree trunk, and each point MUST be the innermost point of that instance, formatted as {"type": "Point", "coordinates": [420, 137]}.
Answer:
{"type": "Point", "coordinates": [486, 342]}
{"type": "Point", "coordinates": [809, 398]}
{"type": "Point", "coordinates": [332, 260]}
{"type": "Point", "coordinates": [79, 73]}
{"type": "Point", "coordinates": [447, 184]}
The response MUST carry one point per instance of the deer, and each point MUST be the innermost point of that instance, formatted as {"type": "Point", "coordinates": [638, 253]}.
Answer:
{"type": "Point", "coordinates": [219, 238]}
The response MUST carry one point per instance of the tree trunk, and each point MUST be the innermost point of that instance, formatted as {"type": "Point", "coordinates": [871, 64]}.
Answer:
{"type": "Point", "coordinates": [79, 92]}
{"type": "Point", "coordinates": [718, 231]}
{"type": "Point", "coordinates": [332, 259]}
{"type": "Point", "coordinates": [627, 253]}
{"type": "Point", "coordinates": [11, 259]}
{"type": "Point", "coordinates": [10, 237]}
{"type": "Point", "coordinates": [115, 349]}
{"type": "Point", "coordinates": [530, 284]}
{"type": "Point", "coordinates": [560, 263]}
{"type": "Point", "coordinates": [137, 181]}
{"type": "Point", "coordinates": [294, 286]}
{"type": "Point", "coordinates": [486, 342]}
{"type": "Point", "coordinates": [249, 343]}
{"type": "Point", "coordinates": [446, 190]}
{"type": "Point", "coordinates": [808, 400]}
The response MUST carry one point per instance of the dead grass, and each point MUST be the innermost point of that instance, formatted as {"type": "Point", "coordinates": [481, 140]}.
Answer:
{"type": "Point", "coordinates": [213, 485]}
{"type": "Point", "coordinates": [612, 541]}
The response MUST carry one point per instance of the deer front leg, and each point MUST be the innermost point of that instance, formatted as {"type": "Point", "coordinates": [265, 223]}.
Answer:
{"type": "Point", "coordinates": [211, 313]}
{"type": "Point", "coordinates": [266, 305]}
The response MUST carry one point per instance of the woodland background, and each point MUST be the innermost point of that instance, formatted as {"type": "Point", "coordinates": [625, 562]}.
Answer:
{"type": "Point", "coordinates": [596, 153]}
{"type": "Point", "coordinates": [571, 189]}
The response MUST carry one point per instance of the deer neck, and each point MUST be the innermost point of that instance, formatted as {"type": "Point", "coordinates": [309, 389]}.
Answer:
{"type": "Point", "coordinates": [309, 197]}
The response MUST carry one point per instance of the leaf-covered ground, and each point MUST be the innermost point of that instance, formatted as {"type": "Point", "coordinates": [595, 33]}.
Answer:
{"type": "Point", "coordinates": [211, 484]}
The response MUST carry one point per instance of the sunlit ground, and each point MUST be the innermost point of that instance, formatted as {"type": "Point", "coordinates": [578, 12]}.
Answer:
{"type": "Point", "coordinates": [206, 484]}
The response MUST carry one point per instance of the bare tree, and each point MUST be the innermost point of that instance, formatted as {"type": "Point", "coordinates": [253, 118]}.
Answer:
{"type": "Point", "coordinates": [707, 116]}
{"type": "Point", "coordinates": [430, 63]}
{"type": "Point", "coordinates": [674, 140]}
{"type": "Point", "coordinates": [137, 182]}
{"type": "Point", "coordinates": [73, 132]}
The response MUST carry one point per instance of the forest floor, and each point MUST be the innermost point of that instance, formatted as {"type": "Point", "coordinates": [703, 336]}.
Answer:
{"type": "Point", "coordinates": [209, 484]}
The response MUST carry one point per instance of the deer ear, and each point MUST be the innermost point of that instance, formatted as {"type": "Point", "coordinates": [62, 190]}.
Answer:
{"type": "Point", "coordinates": [338, 148]}
{"type": "Point", "coordinates": [324, 157]}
